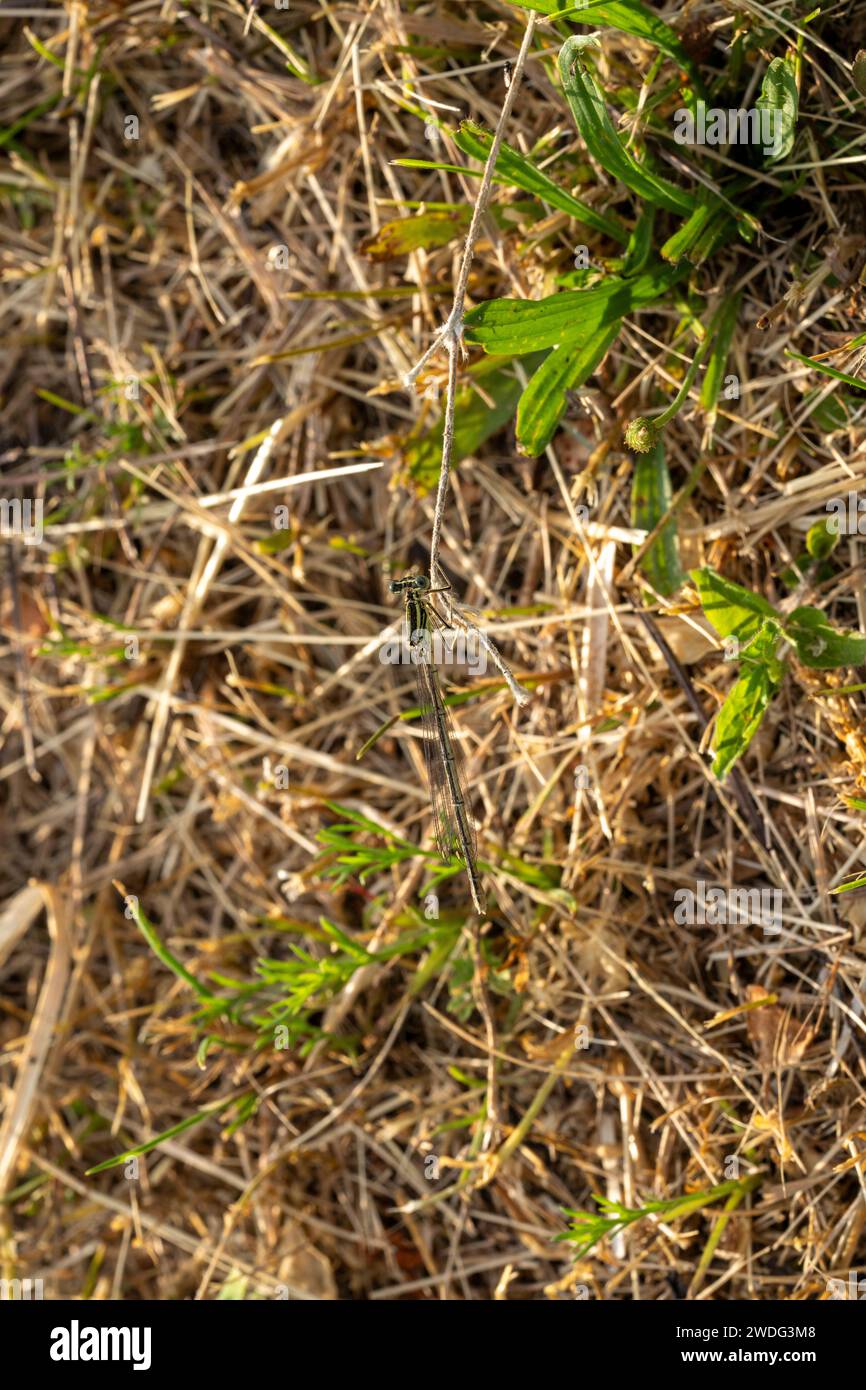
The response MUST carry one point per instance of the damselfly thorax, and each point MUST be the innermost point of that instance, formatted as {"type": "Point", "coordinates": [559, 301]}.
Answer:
{"type": "Point", "coordinates": [455, 833]}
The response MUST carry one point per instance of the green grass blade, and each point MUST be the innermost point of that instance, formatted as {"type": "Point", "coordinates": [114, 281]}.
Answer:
{"type": "Point", "coordinates": [181, 1128]}
{"type": "Point", "coordinates": [822, 367]}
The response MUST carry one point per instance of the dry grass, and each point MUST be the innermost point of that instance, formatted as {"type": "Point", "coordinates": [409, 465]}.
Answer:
{"type": "Point", "coordinates": [157, 261]}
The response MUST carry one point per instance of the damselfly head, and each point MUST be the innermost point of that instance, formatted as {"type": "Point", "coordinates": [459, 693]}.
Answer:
{"type": "Point", "coordinates": [411, 583]}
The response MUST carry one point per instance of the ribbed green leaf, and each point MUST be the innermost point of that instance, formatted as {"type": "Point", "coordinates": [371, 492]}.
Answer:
{"type": "Point", "coordinates": [544, 400]}
{"type": "Point", "coordinates": [718, 359]}
{"type": "Point", "coordinates": [596, 128]}
{"type": "Point", "coordinates": [732, 610]}
{"type": "Point", "coordinates": [515, 326]}
{"type": "Point", "coordinates": [651, 496]}
{"type": "Point", "coordinates": [475, 421]}
{"type": "Point", "coordinates": [425, 230]}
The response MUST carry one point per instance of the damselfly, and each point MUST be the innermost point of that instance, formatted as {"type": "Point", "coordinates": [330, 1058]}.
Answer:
{"type": "Point", "coordinates": [455, 835]}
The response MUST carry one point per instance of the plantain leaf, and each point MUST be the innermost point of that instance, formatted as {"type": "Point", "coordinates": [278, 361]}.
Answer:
{"type": "Point", "coordinates": [651, 496]}
{"type": "Point", "coordinates": [779, 95]}
{"type": "Point", "coordinates": [515, 326]}
{"type": "Point", "coordinates": [545, 397]}
{"type": "Point", "coordinates": [516, 170]}
{"type": "Point", "coordinates": [597, 131]}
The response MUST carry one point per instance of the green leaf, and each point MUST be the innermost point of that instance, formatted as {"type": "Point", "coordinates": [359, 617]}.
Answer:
{"type": "Point", "coordinates": [857, 882]}
{"type": "Point", "coordinates": [859, 72]}
{"type": "Point", "coordinates": [820, 540]}
{"type": "Point", "coordinates": [629, 16]}
{"type": "Point", "coordinates": [171, 1133]}
{"type": "Point", "coordinates": [516, 170]}
{"type": "Point", "coordinates": [640, 245]}
{"type": "Point", "coordinates": [475, 421]}
{"type": "Point", "coordinates": [779, 95]}
{"type": "Point", "coordinates": [544, 399]}
{"type": "Point", "coordinates": [740, 717]}
{"type": "Point", "coordinates": [422, 231]}
{"type": "Point", "coordinates": [732, 610]}
{"type": "Point", "coordinates": [718, 358]}
{"type": "Point", "coordinates": [596, 128]}
{"type": "Point", "coordinates": [818, 643]}
{"type": "Point", "coordinates": [515, 326]}
{"type": "Point", "coordinates": [695, 238]}
{"type": "Point", "coordinates": [858, 381]}
{"type": "Point", "coordinates": [651, 497]}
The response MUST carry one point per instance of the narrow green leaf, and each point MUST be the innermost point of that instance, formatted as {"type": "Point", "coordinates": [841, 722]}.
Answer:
{"type": "Point", "coordinates": [732, 610]}
{"type": "Point", "coordinates": [596, 129]}
{"type": "Point", "coordinates": [718, 358]}
{"type": "Point", "coordinates": [818, 643]}
{"type": "Point", "coordinates": [629, 16]}
{"type": "Point", "coordinates": [640, 245]}
{"type": "Point", "coordinates": [172, 1133]}
{"type": "Point", "coordinates": [740, 717]}
{"type": "Point", "coordinates": [438, 164]}
{"type": "Point", "coordinates": [651, 497]}
{"type": "Point", "coordinates": [857, 882]}
{"type": "Point", "coordinates": [154, 941]}
{"type": "Point", "coordinates": [695, 238]}
{"type": "Point", "coordinates": [515, 169]}
{"type": "Point", "coordinates": [822, 367]}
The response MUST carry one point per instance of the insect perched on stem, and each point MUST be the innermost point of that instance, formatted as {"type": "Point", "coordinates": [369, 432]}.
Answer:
{"type": "Point", "coordinates": [455, 835]}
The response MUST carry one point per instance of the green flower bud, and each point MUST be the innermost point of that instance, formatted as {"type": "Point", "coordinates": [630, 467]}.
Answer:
{"type": "Point", "coordinates": [641, 435]}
